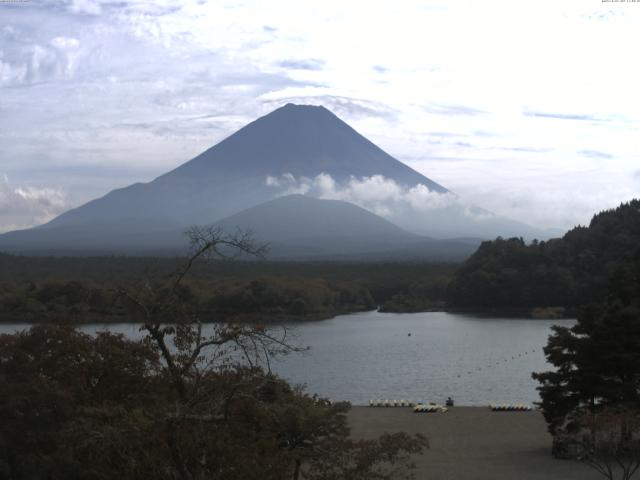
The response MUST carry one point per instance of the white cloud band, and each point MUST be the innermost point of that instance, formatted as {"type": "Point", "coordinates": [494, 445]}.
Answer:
{"type": "Point", "coordinates": [376, 193]}
{"type": "Point", "coordinates": [26, 206]}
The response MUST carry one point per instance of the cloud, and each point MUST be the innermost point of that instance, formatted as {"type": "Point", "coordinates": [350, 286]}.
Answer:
{"type": "Point", "coordinates": [440, 109]}
{"type": "Point", "coordinates": [562, 116]}
{"type": "Point", "coordinates": [33, 64]}
{"type": "Point", "coordinates": [528, 190]}
{"type": "Point", "coordinates": [527, 149]}
{"type": "Point", "coordinates": [85, 6]}
{"type": "Point", "coordinates": [309, 64]}
{"type": "Point", "coordinates": [595, 154]}
{"type": "Point", "coordinates": [26, 206]}
{"type": "Point", "coordinates": [65, 43]}
{"type": "Point", "coordinates": [483, 134]}
{"type": "Point", "coordinates": [446, 134]}
{"type": "Point", "coordinates": [348, 107]}
{"type": "Point", "coordinates": [477, 214]}
{"type": "Point", "coordinates": [11, 74]}
{"type": "Point", "coordinates": [376, 193]}
{"type": "Point", "coordinates": [25, 60]}
{"type": "Point", "coordinates": [103, 7]}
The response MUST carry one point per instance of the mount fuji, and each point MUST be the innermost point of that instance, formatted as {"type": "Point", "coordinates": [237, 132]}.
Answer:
{"type": "Point", "coordinates": [292, 150]}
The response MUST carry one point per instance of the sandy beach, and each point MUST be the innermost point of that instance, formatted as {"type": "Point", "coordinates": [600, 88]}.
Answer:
{"type": "Point", "coordinates": [474, 443]}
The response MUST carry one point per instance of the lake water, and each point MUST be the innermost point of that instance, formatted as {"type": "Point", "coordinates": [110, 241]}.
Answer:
{"type": "Point", "coordinates": [363, 356]}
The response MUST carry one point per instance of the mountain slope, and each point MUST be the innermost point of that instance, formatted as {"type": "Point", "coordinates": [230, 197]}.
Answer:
{"type": "Point", "coordinates": [303, 141]}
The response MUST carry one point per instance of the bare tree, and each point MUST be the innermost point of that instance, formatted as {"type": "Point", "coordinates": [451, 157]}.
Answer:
{"type": "Point", "coordinates": [188, 348]}
{"type": "Point", "coordinates": [191, 351]}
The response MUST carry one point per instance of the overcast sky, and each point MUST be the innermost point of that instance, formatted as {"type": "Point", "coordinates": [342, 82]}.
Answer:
{"type": "Point", "coordinates": [530, 109]}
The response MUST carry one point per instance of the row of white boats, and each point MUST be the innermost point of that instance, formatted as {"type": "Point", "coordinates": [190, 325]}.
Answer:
{"type": "Point", "coordinates": [518, 407]}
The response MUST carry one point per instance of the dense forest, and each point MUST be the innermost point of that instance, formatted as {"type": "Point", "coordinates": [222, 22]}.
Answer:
{"type": "Point", "coordinates": [567, 272]}
{"type": "Point", "coordinates": [54, 289]}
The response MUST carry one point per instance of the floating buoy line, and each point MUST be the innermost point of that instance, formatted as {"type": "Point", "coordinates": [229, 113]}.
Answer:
{"type": "Point", "coordinates": [420, 407]}
{"type": "Point", "coordinates": [497, 362]}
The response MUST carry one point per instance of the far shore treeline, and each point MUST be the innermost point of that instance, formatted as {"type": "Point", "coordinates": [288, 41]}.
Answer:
{"type": "Point", "coordinates": [549, 278]}
{"type": "Point", "coordinates": [55, 289]}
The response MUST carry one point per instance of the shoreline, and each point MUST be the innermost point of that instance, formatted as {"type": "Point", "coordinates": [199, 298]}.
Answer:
{"type": "Point", "coordinates": [267, 319]}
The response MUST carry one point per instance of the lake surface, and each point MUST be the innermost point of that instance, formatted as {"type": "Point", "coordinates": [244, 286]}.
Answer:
{"type": "Point", "coordinates": [363, 356]}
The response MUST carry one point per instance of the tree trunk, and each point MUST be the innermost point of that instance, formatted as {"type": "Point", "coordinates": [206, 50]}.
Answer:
{"type": "Point", "coordinates": [296, 470]}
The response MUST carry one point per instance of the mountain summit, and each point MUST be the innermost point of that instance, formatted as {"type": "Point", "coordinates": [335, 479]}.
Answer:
{"type": "Point", "coordinates": [304, 141]}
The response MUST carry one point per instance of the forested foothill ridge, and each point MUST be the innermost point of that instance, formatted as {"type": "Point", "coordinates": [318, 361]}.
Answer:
{"type": "Point", "coordinates": [567, 272]}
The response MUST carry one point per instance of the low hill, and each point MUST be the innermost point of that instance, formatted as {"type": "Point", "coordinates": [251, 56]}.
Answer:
{"type": "Point", "coordinates": [302, 227]}
{"type": "Point", "coordinates": [298, 218]}
{"type": "Point", "coordinates": [571, 271]}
